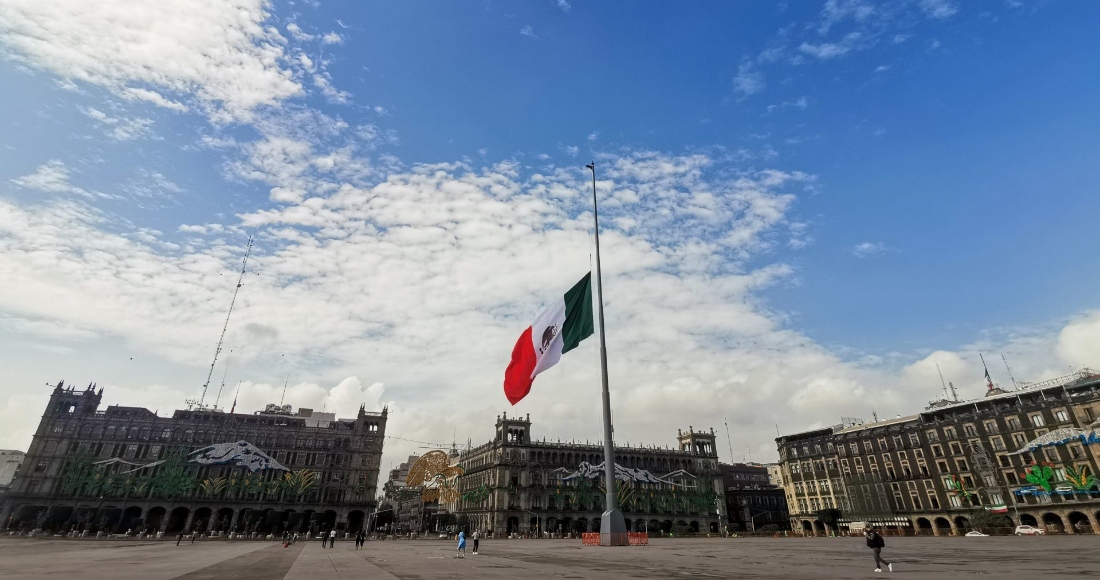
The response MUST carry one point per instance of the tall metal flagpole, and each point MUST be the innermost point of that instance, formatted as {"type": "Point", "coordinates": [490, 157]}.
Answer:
{"type": "Point", "coordinates": [612, 526]}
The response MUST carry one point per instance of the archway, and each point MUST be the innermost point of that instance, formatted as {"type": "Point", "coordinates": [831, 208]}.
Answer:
{"type": "Point", "coordinates": [629, 524]}
{"type": "Point", "coordinates": [309, 518]}
{"type": "Point", "coordinates": [551, 525]}
{"type": "Point", "coordinates": [596, 522]}
{"type": "Point", "coordinates": [109, 518]}
{"type": "Point", "coordinates": [225, 517]}
{"type": "Point", "coordinates": [1053, 522]}
{"type": "Point", "coordinates": [1029, 520]}
{"type": "Point", "coordinates": [807, 527]}
{"type": "Point", "coordinates": [154, 519]}
{"type": "Point", "coordinates": [177, 520]}
{"type": "Point", "coordinates": [201, 521]}
{"type": "Point", "coordinates": [1080, 522]}
{"type": "Point", "coordinates": [962, 523]}
{"type": "Point", "coordinates": [328, 520]}
{"type": "Point", "coordinates": [246, 520]}
{"type": "Point", "coordinates": [694, 526]}
{"type": "Point", "coordinates": [924, 527]}
{"type": "Point", "coordinates": [666, 527]}
{"type": "Point", "coordinates": [580, 525]}
{"type": "Point", "coordinates": [533, 525]}
{"type": "Point", "coordinates": [943, 526]}
{"type": "Point", "coordinates": [355, 520]}
{"type": "Point", "coordinates": [288, 521]}
{"type": "Point", "coordinates": [654, 527]}
{"type": "Point", "coordinates": [512, 526]}
{"type": "Point", "coordinates": [565, 526]}
{"type": "Point", "coordinates": [131, 518]}
{"type": "Point", "coordinates": [57, 516]}
{"type": "Point", "coordinates": [714, 527]}
{"type": "Point", "coordinates": [819, 528]}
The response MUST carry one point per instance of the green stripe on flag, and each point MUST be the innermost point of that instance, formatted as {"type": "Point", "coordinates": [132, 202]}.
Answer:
{"type": "Point", "coordinates": [578, 314]}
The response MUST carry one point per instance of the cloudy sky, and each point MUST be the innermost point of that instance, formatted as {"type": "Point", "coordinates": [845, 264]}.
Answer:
{"type": "Point", "coordinates": [806, 206]}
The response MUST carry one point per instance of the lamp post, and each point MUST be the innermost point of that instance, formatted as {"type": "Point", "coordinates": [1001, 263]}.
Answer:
{"type": "Point", "coordinates": [538, 523]}
{"type": "Point", "coordinates": [752, 520]}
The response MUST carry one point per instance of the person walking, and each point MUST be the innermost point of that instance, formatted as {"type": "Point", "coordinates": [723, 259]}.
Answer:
{"type": "Point", "coordinates": [477, 540]}
{"type": "Point", "coordinates": [179, 537]}
{"type": "Point", "coordinates": [332, 538]}
{"type": "Point", "coordinates": [876, 543]}
{"type": "Point", "coordinates": [462, 544]}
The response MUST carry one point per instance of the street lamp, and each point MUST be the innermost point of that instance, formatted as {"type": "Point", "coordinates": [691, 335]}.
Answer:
{"type": "Point", "coordinates": [538, 522]}
{"type": "Point", "coordinates": [752, 520]}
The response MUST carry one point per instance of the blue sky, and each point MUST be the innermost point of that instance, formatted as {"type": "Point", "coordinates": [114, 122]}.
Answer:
{"type": "Point", "coordinates": [863, 188]}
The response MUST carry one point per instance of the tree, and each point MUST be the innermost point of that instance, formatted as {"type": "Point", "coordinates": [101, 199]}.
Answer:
{"type": "Point", "coordinates": [829, 517]}
{"type": "Point", "coordinates": [986, 521]}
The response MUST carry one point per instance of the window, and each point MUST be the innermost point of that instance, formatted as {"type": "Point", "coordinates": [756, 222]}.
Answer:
{"type": "Point", "coordinates": [1010, 477]}
{"type": "Point", "coordinates": [998, 443]}
{"type": "Point", "coordinates": [42, 465]}
{"type": "Point", "coordinates": [57, 428]}
{"type": "Point", "coordinates": [882, 444]}
{"type": "Point", "coordinates": [970, 431]}
{"type": "Point", "coordinates": [954, 501]}
{"type": "Point", "coordinates": [1076, 452]}
{"type": "Point", "coordinates": [854, 447]}
{"type": "Point", "coordinates": [1061, 416]}
{"type": "Point", "coordinates": [933, 501]}
{"type": "Point", "coordinates": [1019, 439]}
{"type": "Point", "coordinates": [1052, 454]}
{"type": "Point", "coordinates": [1037, 420]}
{"type": "Point", "coordinates": [1004, 460]}
{"type": "Point", "coordinates": [1059, 474]}
{"type": "Point", "coordinates": [942, 466]}
{"type": "Point", "coordinates": [956, 449]}
{"type": "Point", "coordinates": [918, 453]}
{"type": "Point", "coordinates": [914, 439]}
{"type": "Point", "coordinates": [949, 432]}
{"type": "Point", "coordinates": [932, 436]}
{"type": "Point", "coordinates": [937, 451]}
{"type": "Point", "coordinates": [897, 441]}
{"type": "Point", "coordinates": [823, 485]}
{"type": "Point", "coordinates": [867, 446]}
{"type": "Point", "coordinates": [990, 426]}
{"type": "Point", "coordinates": [1013, 423]}
{"type": "Point", "coordinates": [962, 464]}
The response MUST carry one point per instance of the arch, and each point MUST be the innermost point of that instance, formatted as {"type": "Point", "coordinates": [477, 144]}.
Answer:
{"type": "Point", "coordinates": [819, 528]}
{"type": "Point", "coordinates": [924, 526]}
{"type": "Point", "coordinates": [595, 526]}
{"type": "Point", "coordinates": [200, 522]}
{"type": "Point", "coordinates": [355, 520]}
{"type": "Point", "coordinates": [131, 518]}
{"type": "Point", "coordinates": [962, 523]}
{"type": "Point", "coordinates": [1080, 522]}
{"type": "Point", "coordinates": [1028, 520]}
{"type": "Point", "coordinates": [551, 525]}
{"type": "Point", "coordinates": [225, 517]}
{"type": "Point", "coordinates": [177, 519]}
{"type": "Point", "coordinates": [154, 518]}
{"type": "Point", "coordinates": [580, 525]}
{"type": "Point", "coordinates": [57, 516]}
{"type": "Point", "coordinates": [694, 526]}
{"type": "Point", "coordinates": [328, 519]}
{"type": "Point", "coordinates": [714, 527]}
{"type": "Point", "coordinates": [1053, 522]}
{"type": "Point", "coordinates": [666, 526]}
{"type": "Point", "coordinates": [512, 526]}
{"type": "Point", "coordinates": [807, 527]}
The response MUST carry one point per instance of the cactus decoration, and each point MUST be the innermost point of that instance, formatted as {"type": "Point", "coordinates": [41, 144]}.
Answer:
{"type": "Point", "coordinates": [1080, 478]}
{"type": "Point", "coordinates": [1039, 475]}
{"type": "Point", "coordinates": [955, 486]}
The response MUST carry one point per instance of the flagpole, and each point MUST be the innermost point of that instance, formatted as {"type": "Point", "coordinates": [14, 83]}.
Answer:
{"type": "Point", "coordinates": [612, 526]}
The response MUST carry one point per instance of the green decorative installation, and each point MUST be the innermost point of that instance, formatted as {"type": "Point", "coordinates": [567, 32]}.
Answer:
{"type": "Point", "coordinates": [1040, 475]}
{"type": "Point", "coordinates": [956, 486]}
{"type": "Point", "coordinates": [1080, 478]}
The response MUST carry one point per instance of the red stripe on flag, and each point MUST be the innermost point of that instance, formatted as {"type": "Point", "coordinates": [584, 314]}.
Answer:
{"type": "Point", "coordinates": [517, 378]}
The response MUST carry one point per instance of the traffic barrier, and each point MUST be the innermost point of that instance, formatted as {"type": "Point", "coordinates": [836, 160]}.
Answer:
{"type": "Point", "coordinates": [633, 539]}
{"type": "Point", "coordinates": [590, 539]}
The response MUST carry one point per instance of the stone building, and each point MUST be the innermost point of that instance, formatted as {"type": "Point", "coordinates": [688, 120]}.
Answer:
{"type": "Point", "coordinates": [1031, 454]}
{"type": "Point", "coordinates": [126, 468]}
{"type": "Point", "coordinates": [10, 460]}
{"type": "Point", "coordinates": [752, 501]}
{"type": "Point", "coordinates": [516, 485]}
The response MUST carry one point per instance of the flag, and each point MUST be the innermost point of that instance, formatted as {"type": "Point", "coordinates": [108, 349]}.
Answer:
{"type": "Point", "coordinates": [557, 330]}
{"type": "Point", "coordinates": [988, 380]}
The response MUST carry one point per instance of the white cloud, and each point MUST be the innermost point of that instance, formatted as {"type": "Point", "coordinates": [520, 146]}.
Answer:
{"type": "Point", "coordinates": [830, 50]}
{"type": "Point", "coordinates": [572, 150]}
{"type": "Point", "coordinates": [51, 177]}
{"type": "Point", "coordinates": [835, 11]}
{"type": "Point", "coordinates": [528, 31]}
{"type": "Point", "coordinates": [748, 80]}
{"type": "Point", "coordinates": [297, 34]}
{"type": "Point", "coordinates": [218, 53]}
{"type": "Point", "coordinates": [593, 135]}
{"type": "Point", "coordinates": [563, 5]}
{"type": "Point", "coordinates": [121, 129]}
{"type": "Point", "coordinates": [938, 8]}
{"type": "Point", "coordinates": [332, 38]}
{"type": "Point", "coordinates": [866, 249]}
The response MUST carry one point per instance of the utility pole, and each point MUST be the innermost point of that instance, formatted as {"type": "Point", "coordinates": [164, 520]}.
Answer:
{"type": "Point", "coordinates": [612, 525]}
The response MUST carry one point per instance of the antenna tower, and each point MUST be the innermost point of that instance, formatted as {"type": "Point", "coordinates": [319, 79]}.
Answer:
{"type": "Point", "coordinates": [941, 380]}
{"type": "Point", "coordinates": [1014, 385]}
{"type": "Point", "coordinates": [730, 441]}
{"type": "Point", "coordinates": [222, 388]}
{"type": "Point", "coordinates": [954, 395]}
{"type": "Point", "coordinates": [221, 339]}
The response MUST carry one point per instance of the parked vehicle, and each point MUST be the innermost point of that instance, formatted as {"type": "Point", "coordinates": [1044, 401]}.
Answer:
{"type": "Point", "coordinates": [1029, 531]}
{"type": "Point", "coordinates": [976, 534]}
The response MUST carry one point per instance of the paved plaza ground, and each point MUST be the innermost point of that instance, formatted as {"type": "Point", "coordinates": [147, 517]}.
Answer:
{"type": "Point", "coordinates": [817, 558]}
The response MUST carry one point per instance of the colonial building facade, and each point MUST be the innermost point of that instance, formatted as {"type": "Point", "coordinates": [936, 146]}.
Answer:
{"type": "Point", "coordinates": [516, 485]}
{"type": "Point", "coordinates": [126, 468]}
{"type": "Point", "coordinates": [752, 501]}
{"type": "Point", "coordinates": [1031, 454]}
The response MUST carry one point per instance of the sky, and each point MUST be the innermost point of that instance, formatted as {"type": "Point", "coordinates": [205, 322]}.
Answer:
{"type": "Point", "coordinates": [805, 207]}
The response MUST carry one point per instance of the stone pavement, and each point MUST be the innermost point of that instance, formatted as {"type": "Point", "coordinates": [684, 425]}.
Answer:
{"type": "Point", "coordinates": [816, 558]}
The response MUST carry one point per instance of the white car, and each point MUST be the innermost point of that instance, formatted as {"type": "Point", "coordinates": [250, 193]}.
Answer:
{"type": "Point", "coordinates": [976, 534]}
{"type": "Point", "coordinates": [1029, 531]}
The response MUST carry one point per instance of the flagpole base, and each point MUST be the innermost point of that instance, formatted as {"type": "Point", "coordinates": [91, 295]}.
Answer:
{"type": "Point", "coordinates": [613, 530]}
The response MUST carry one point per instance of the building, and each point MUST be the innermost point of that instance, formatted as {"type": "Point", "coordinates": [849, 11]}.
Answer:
{"type": "Point", "coordinates": [752, 502]}
{"type": "Point", "coordinates": [515, 485]}
{"type": "Point", "coordinates": [126, 468]}
{"type": "Point", "coordinates": [9, 463]}
{"type": "Point", "coordinates": [1031, 454]}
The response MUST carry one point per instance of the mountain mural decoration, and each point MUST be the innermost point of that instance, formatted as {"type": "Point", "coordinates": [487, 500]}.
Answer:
{"type": "Point", "coordinates": [240, 454]}
{"type": "Point", "coordinates": [629, 474]}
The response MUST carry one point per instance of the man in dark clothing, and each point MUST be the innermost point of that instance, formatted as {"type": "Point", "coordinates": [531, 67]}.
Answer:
{"type": "Point", "coordinates": [876, 543]}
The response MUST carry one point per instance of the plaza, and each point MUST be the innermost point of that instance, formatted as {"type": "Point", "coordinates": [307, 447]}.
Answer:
{"type": "Point", "coordinates": [921, 557]}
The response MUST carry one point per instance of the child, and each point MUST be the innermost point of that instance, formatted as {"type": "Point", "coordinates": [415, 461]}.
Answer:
{"type": "Point", "coordinates": [462, 544]}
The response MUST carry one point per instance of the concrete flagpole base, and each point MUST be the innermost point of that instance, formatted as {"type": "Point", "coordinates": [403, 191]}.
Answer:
{"type": "Point", "coordinates": [613, 530]}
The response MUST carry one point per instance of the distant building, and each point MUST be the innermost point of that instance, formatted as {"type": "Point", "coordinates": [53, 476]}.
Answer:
{"type": "Point", "coordinates": [1031, 454]}
{"type": "Point", "coordinates": [752, 502]}
{"type": "Point", "coordinates": [516, 485]}
{"type": "Point", "coordinates": [203, 469]}
{"type": "Point", "coordinates": [10, 460]}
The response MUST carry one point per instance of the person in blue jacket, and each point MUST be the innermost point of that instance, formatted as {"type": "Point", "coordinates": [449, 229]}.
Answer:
{"type": "Point", "coordinates": [462, 544]}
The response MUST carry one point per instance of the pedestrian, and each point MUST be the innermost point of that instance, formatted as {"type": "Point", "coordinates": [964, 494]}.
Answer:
{"type": "Point", "coordinates": [179, 537]}
{"type": "Point", "coordinates": [477, 540]}
{"type": "Point", "coordinates": [876, 543]}
{"type": "Point", "coordinates": [324, 539]}
{"type": "Point", "coordinates": [332, 538]}
{"type": "Point", "coordinates": [462, 544]}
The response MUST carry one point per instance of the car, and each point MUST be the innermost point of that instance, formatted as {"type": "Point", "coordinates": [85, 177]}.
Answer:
{"type": "Point", "coordinates": [976, 534]}
{"type": "Point", "coordinates": [1026, 530]}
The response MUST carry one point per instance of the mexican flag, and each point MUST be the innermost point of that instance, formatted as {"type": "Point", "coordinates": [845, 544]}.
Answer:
{"type": "Point", "coordinates": [556, 330]}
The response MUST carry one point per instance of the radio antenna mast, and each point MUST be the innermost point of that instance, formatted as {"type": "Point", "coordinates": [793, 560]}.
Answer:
{"type": "Point", "coordinates": [222, 388]}
{"type": "Point", "coordinates": [1004, 358]}
{"type": "Point", "coordinates": [941, 380]}
{"type": "Point", "coordinates": [728, 440]}
{"type": "Point", "coordinates": [221, 339]}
